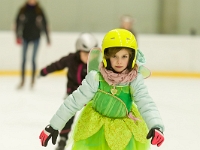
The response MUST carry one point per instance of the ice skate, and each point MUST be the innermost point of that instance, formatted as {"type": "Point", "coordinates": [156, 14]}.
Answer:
{"type": "Point", "coordinates": [32, 83]}
{"type": "Point", "coordinates": [61, 144]}
{"type": "Point", "coordinates": [21, 85]}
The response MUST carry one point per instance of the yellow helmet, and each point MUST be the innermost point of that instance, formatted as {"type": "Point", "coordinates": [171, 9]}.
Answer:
{"type": "Point", "coordinates": [119, 38]}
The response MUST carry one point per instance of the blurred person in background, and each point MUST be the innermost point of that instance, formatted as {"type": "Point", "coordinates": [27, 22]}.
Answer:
{"type": "Point", "coordinates": [76, 63]}
{"type": "Point", "coordinates": [29, 24]}
{"type": "Point", "coordinates": [127, 22]}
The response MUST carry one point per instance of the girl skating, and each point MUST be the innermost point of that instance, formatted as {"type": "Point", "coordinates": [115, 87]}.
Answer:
{"type": "Point", "coordinates": [120, 114]}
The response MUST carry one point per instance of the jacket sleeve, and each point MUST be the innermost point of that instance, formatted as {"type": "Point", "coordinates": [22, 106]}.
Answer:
{"type": "Point", "coordinates": [76, 101]}
{"type": "Point", "coordinates": [45, 26]}
{"type": "Point", "coordinates": [145, 104]}
{"type": "Point", "coordinates": [19, 24]}
{"type": "Point", "coordinates": [58, 65]}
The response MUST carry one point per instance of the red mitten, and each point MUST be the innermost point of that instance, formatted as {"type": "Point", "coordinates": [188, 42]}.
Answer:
{"type": "Point", "coordinates": [156, 136]}
{"type": "Point", "coordinates": [46, 134]}
{"type": "Point", "coordinates": [19, 41]}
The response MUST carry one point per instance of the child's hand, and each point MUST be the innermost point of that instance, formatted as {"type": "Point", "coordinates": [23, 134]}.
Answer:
{"type": "Point", "coordinates": [43, 72]}
{"type": "Point", "coordinates": [46, 134]}
{"type": "Point", "coordinates": [156, 135]}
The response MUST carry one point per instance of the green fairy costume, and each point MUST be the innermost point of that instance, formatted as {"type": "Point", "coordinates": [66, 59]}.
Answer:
{"type": "Point", "coordinates": [104, 122]}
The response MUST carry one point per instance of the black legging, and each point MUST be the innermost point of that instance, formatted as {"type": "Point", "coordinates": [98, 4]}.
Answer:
{"type": "Point", "coordinates": [67, 128]}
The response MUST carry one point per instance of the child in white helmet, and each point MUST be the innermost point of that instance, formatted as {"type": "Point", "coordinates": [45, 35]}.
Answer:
{"type": "Point", "coordinates": [76, 63]}
{"type": "Point", "coordinates": [120, 114]}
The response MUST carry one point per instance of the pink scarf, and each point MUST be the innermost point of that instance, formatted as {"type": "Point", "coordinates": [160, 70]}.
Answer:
{"type": "Point", "coordinates": [115, 78]}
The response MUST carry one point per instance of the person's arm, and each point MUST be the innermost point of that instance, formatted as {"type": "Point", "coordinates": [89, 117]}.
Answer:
{"type": "Point", "coordinates": [145, 104]}
{"type": "Point", "coordinates": [148, 110]}
{"type": "Point", "coordinates": [71, 105]}
{"type": "Point", "coordinates": [56, 66]}
{"type": "Point", "coordinates": [45, 26]}
{"type": "Point", "coordinates": [76, 101]}
{"type": "Point", "coordinates": [19, 21]}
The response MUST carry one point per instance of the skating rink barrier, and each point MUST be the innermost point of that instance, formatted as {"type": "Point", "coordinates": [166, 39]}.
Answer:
{"type": "Point", "coordinates": [166, 55]}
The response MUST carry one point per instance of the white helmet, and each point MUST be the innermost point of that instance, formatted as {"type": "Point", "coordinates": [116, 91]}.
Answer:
{"type": "Point", "coordinates": [86, 42]}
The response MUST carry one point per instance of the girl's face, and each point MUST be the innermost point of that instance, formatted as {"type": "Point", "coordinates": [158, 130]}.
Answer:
{"type": "Point", "coordinates": [120, 60]}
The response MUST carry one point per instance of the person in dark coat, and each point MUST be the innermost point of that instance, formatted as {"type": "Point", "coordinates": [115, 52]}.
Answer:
{"type": "Point", "coordinates": [30, 22]}
{"type": "Point", "coordinates": [76, 64]}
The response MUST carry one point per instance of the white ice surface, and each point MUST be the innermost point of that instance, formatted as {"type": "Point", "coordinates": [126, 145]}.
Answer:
{"type": "Point", "coordinates": [24, 113]}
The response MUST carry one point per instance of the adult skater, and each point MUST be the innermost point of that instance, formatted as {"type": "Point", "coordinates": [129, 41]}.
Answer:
{"type": "Point", "coordinates": [76, 63]}
{"type": "Point", "coordinates": [119, 112]}
{"type": "Point", "coordinates": [30, 21]}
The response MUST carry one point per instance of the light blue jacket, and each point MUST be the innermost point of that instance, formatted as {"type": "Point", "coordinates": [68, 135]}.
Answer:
{"type": "Point", "coordinates": [87, 90]}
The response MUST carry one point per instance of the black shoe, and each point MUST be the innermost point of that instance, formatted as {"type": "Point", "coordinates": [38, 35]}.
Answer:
{"type": "Point", "coordinates": [20, 86]}
{"type": "Point", "coordinates": [61, 145]}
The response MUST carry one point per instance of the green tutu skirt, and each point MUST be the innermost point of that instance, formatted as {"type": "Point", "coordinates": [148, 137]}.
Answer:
{"type": "Point", "coordinates": [96, 132]}
{"type": "Point", "coordinates": [98, 142]}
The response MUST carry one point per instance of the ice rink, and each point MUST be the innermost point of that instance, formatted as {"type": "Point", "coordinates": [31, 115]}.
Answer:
{"type": "Point", "coordinates": [24, 113]}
